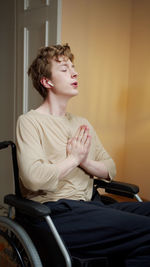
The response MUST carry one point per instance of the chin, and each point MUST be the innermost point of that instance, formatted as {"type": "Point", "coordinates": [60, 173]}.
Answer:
{"type": "Point", "coordinates": [75, 91]}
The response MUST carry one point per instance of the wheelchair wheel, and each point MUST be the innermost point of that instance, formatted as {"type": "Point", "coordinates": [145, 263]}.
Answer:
{"type": "Point", "coordinates": [16, 247]}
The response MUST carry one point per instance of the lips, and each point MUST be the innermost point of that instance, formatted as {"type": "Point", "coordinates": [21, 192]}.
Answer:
{"type": "Point", "coordinates": [74, 84]}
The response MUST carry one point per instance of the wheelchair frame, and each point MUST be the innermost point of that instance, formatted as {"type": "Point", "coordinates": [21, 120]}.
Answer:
{"type": "Point", "coordinates": [12, 229]}
{"type": "Point", "coordinates": [38, 210]}
{"type": "Point", "coordinates": [29, 208]}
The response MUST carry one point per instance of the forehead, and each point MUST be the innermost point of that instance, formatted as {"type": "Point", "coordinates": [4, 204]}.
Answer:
{"type": "Point", "coordinates": [60, 61]}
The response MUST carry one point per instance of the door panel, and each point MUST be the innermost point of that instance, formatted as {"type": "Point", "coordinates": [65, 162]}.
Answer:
{"type": "Point", "coordinates": [30, 4]}
{"type": "Point", "coordinates": [37, 26]}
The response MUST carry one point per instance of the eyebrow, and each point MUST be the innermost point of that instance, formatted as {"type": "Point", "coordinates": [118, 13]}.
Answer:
{"type": "Point", "coordinates": [65, 64]}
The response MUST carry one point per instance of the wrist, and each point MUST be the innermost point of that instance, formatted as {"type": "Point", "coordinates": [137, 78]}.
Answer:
{"type": "Point", "coordinates": [84, 163]}
{"type": "Point", "coordinates": [75, 162]}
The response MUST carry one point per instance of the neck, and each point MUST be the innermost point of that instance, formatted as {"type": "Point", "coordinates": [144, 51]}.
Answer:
{"type": "Point", "coordinates": [54, 105]}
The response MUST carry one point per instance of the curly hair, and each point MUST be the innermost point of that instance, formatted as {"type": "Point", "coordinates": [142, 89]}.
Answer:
{"type": "Point", "coordinates": [41, 65]}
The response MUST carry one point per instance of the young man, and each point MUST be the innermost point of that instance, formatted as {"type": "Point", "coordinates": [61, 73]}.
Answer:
{"type": "Point", "coordinates": [58, 156]}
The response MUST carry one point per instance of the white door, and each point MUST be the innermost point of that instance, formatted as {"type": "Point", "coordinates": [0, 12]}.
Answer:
{"type": "Point", "coordinates": [26, 25]}
{"type": "Point", "coordinates": [38, 24]}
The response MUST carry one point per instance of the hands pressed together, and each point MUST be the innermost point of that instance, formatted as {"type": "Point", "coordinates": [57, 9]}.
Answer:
{"type": "Point", "coordinates": [79, 146]}
{"type": "Point", "coordinates": [77, 149]}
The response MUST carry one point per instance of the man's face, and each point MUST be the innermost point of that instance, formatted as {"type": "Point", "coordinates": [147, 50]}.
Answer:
{"type": "Point", "coordinates": [64, 77]}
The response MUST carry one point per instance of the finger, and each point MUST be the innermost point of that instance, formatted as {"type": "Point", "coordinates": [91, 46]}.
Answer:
{"type": "Point", "coordinates": [81, 134]}
{"type": "Point", "coordinates": [69, 141]}
{"type": "Point", "coordinates": [78, 132]}
{"type": "Point", "coordinates": [88, 142]}
{"type": "Point", "coordinates": [85, 135]}
{"type": "Point", "coordinates": [73, 142]}
{"type": "Point", "coordinates": [68, 149]}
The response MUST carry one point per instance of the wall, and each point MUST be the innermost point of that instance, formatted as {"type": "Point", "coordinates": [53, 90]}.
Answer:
{"type": "Point", "coordinates": [111, 41]}
{"type": "Point", "coordinates": [99, 34]}
{"type": "Point", "coordinates": [137, 153]}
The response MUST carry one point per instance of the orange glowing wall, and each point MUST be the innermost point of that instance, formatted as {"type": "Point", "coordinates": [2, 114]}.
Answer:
{"type": "Point", "coordinates": [111, 40]}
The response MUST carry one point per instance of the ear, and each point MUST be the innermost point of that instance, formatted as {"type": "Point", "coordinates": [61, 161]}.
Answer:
{"type": "Point", "coordinates": [50, 83]}
{"type": "Point", "coordinates": [46, 83]}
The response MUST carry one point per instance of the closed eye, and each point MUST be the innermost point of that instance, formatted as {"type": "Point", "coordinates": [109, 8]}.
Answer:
{"type": "Point", "coordinates": [64, 70]}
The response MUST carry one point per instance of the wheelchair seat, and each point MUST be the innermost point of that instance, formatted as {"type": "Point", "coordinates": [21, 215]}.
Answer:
{"type": "Point", "coordinates": [19, 240]}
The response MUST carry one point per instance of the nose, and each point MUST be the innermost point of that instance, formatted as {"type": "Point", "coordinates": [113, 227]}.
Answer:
{"type": "Point", "coordinates": [74, 74]}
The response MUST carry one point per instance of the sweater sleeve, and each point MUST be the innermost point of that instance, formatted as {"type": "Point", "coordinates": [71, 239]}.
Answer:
{"type": "Point", "coordinates": [102, 155]}
{"type": "Point", "coordinates": [35, 171]}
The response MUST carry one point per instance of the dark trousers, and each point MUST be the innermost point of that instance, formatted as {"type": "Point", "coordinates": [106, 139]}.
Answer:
{"type": "Point", "coordinates": [120, 231]}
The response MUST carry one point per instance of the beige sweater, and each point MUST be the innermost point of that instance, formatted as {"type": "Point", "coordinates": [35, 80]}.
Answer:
{"type": "Point", "coordinates": [41, 143]}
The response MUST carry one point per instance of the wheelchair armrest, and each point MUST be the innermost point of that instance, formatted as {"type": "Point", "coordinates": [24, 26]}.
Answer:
{"type": "Point", "coordinates": [117, 187]}
{"type": "Point", "coordinates": [5, 144]}
{"type": "Point", "coordinates": [27, 206]}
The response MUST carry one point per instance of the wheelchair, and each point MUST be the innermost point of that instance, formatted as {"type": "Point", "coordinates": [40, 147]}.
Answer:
{"type": "Point", "coordinates": [20, 247]}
